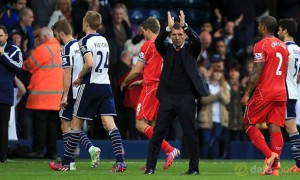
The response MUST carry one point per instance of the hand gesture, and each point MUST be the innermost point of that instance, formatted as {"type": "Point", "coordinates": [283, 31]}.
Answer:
{"type": "Point", "coordinates": [170, 20]}
{"type": "Point", "coordinates": [63, 102]}
{"type": "Point", "coordinates": [135, 84]}
{"type": "Point", "coordinates": [1, 50]}
{"type": "Point", "coordinates": [77, 82]}
{"type": "Point", "coordinates": [218, 14]}
{"type": "Point", "coordinates": [182, 18]}
{"type": "Point", "coordinates": [238, 20]}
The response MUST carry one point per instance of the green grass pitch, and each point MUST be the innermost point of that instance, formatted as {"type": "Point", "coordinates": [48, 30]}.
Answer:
{"type": "Point", "coordinates": [25, 169]}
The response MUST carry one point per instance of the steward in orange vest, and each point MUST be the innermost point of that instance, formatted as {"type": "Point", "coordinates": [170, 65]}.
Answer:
{"type": "Point", "coordinates": [46, 83]}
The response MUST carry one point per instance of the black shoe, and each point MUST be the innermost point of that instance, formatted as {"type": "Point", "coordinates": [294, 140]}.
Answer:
{"type": "Point", "coordinates": [149, 171]}
{"type": "Point", "coordinates": [189, 172]}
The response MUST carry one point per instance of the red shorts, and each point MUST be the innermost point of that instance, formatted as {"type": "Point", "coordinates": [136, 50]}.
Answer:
{"type": "Point", "coordinates": [148, 104]}
{"type": "Point", "coordinates": [259, 111]}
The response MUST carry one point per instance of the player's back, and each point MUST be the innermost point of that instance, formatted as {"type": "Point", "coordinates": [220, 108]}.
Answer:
{"type": "Point", "coordinates": [293, 68]}
{"type": "Point", "coordinates": [72, 58]}
{"type": "Point", "coordinates": [97, 45]}
{"type": "Point", "coordinates": [271, 84]}
{"type": "Point", "coordinates": [153, 62]}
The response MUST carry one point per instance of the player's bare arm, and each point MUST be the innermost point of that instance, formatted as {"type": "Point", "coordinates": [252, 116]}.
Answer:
{"type": "Point", "coordinates": [135, 71]}
{"type": "Point", "coordinates": [253, 79]}
{"type": "Point", "coordinates": [254, 76]}
{"type": "Point", "coordinates": [87, 67]}
{"type": "Point", "coordinates": [287, 69]}
{"type": "Point", "coordinates": [136, 84]}
{"type": "Point", "coordinates": [67, 83]}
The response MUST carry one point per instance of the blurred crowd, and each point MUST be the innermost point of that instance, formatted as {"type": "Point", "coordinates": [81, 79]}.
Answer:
{"type": "Point", "coordinates": [227, 33]}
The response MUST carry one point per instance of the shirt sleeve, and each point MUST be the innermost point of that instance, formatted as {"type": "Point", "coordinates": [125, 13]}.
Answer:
{"type": "Point", "coordinates": [83, 46]}
{"type": "Point", "coordinates": [259, 53]}
{"type": "Point", "coordinates": [66, 57]}
{"type": "Point", "coordinates": [143, 55]}
{"type": "Point", "coordinates": [12, 59]}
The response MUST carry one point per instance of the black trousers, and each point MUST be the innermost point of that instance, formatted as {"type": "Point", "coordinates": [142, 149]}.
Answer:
{"type": "Point", "coordinates": [44, 131]}
{"type": "Point", "coordinates": [184, 106]}
{"type": "Point", "coordinates": [4, 119]}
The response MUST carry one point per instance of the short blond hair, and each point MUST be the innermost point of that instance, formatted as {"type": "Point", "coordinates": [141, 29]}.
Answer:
{"type": "Point", "coordinates": [93, 18]}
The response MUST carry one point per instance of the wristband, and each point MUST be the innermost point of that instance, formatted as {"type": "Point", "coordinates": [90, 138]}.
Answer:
{"type": "Point", "coordinates": [185, 26]}
{"type": "Point", "coordinates": [168, 29]}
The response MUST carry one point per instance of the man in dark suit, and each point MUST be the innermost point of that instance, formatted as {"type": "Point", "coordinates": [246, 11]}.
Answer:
{"type": "Point", "coordinates": [180, 85]}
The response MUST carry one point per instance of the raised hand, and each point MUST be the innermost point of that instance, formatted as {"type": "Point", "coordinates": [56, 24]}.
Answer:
{"type": "Point", "coordinates": [238, 20]}
{"type": "Point", "coordinates": [181, 18]}
{"type": "Point", "coordinates": [170, 20]}
{"type": "Point", "coordinates": [1, 50]}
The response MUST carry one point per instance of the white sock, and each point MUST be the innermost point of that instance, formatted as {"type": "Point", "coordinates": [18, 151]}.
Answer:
{"type": "Point", "coordinates": [90, 149]}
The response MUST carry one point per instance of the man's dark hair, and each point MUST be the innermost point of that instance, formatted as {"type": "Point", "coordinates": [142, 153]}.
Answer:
{"type": "Point", "coordinates": [176, 25]}
{"type": "Point", "coordinates": [290, 25]}
{"type": "Point", "coordinates": [62, 26]}
{"type": "Point", "coordinates": [4, 29]}
{"type": "Point", "coordinates": [270, 23]}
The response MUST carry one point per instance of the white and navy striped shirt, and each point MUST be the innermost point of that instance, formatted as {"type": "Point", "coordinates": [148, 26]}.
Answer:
{"type": "Point", "coordinates": [71, 58]}
{"type": "Point", "coordinates": [98, 46]}
{"type": "Point", "coordinates": [293, 68]}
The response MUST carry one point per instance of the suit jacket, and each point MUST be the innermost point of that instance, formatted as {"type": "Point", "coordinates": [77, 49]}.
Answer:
{"type": "Point", "coordinates": [189, 53]}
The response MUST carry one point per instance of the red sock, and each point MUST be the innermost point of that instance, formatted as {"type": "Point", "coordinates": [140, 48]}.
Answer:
{"type": "Point", "coordinates": [165, 146]}
{"type": "Point", "coordinates": [276, 142]}
{"type": "Point", "coordinates": [258, 140]}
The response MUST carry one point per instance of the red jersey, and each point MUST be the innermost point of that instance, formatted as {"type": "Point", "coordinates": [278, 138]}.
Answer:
{"type": "Point", "coordinates": [271, 84]}
{"type": "Point", "coordinates": [153, 62]}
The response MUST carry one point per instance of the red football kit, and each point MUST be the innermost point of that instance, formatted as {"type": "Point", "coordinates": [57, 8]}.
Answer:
{"type": "Point", "coordinates": [148, 104]}
{"type": "Point", "coordinates": [269, 98]}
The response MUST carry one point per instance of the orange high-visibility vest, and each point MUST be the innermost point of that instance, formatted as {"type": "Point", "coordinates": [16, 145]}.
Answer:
{"type": "Point", "coordinates": [46, 83]}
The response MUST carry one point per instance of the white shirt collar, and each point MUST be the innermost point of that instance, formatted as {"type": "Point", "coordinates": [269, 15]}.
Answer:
{"type": "Point", "coordinates": [180, 46]}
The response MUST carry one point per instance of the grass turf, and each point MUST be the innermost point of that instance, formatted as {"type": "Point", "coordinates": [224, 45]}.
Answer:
{"type": "Point", "coordinates": [25, 169]}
